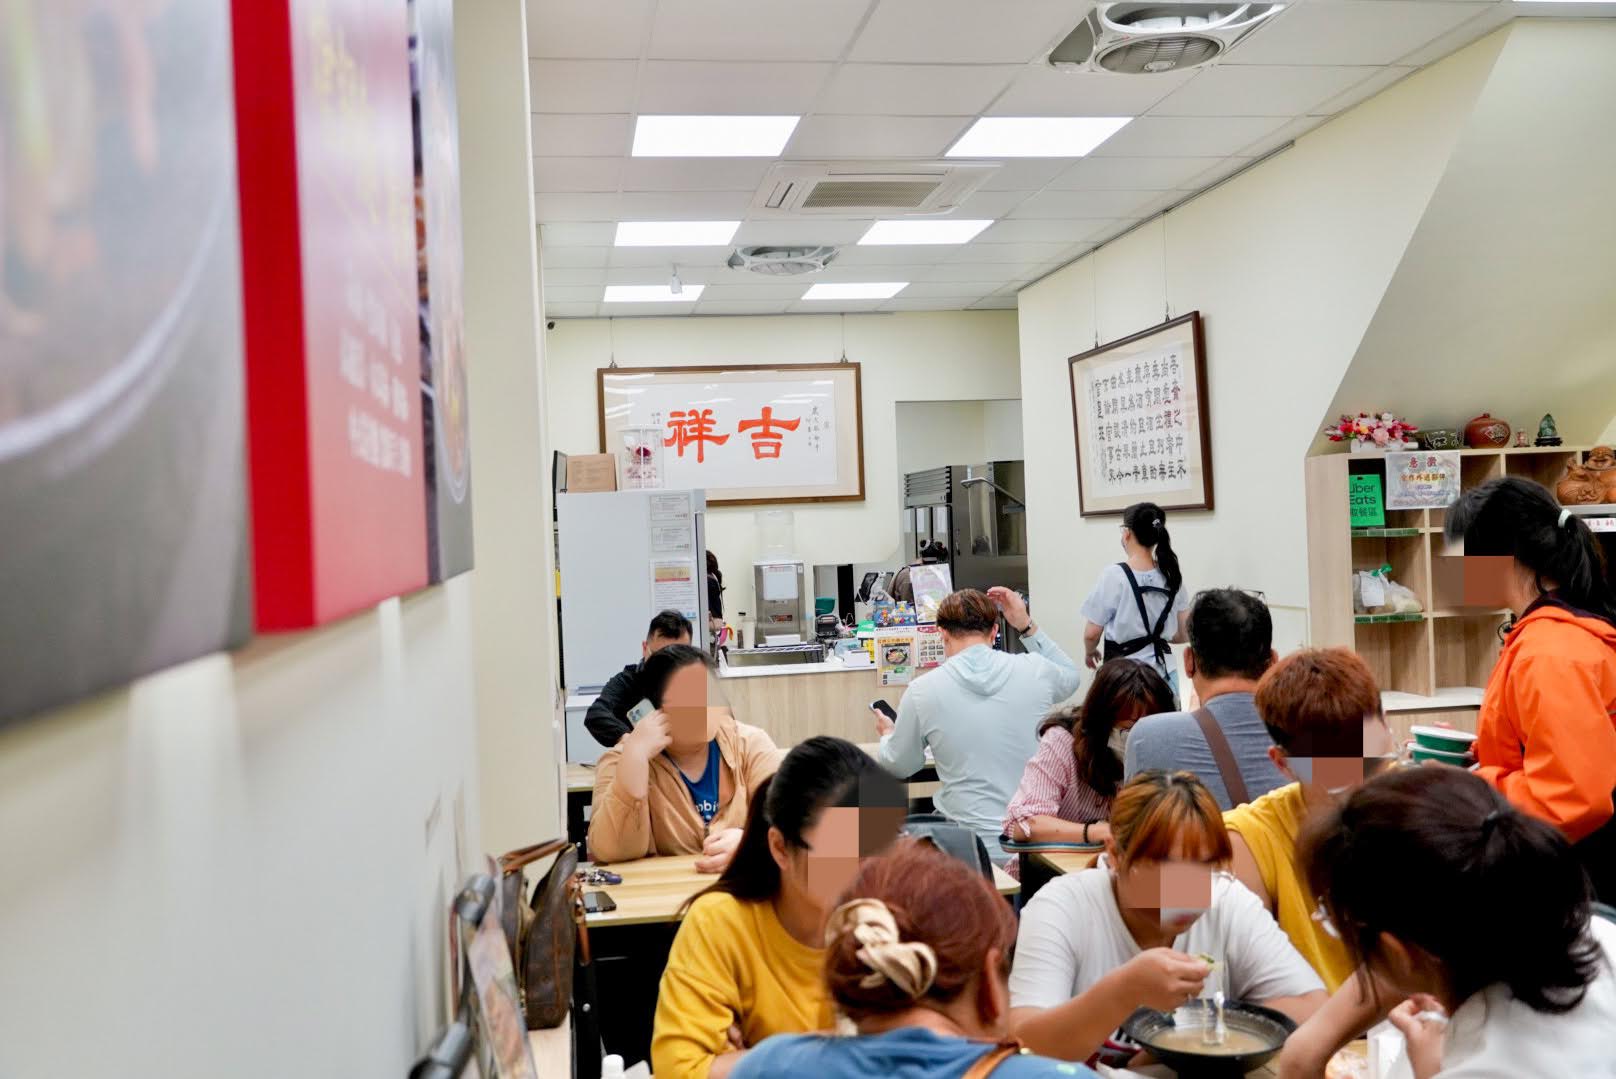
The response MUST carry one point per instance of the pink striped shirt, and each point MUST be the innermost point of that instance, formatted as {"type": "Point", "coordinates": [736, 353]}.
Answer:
{"type": "Point", "coordinates": [1050, 787]}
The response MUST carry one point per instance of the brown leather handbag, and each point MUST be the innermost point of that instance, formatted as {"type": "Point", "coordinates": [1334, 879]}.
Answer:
{"type": "Point", "coordinates": [545, 931]}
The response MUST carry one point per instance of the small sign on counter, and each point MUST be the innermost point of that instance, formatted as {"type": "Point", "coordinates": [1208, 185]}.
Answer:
{"type": "Point", "coordinates": [895, 655]}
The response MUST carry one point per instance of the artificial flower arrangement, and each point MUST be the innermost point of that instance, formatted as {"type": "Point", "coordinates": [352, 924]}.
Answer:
{"type": "Point", "coordinates": [1384, 431]}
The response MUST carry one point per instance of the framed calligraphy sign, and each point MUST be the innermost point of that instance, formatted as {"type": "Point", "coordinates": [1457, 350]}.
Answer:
{"type": "Point", "coordinates": [746, 435]}
{"type": "Point", "coordinates": [1140, 422]}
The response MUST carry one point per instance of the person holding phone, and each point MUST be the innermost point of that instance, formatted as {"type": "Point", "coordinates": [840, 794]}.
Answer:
{"type": "Point", "coordinates": [622, 700]}
{"type": "Point", "coordinates": [979, 712]}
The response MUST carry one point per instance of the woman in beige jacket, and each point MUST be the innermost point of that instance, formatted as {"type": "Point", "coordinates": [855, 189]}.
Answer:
{"type": "Point", "coordinates": [682, 781]}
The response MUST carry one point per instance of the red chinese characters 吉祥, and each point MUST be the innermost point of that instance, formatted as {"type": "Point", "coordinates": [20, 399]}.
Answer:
{"type": "Point", "coordinates": [766, 440]}
{"type": "Point", "coordinates": [693, 427]}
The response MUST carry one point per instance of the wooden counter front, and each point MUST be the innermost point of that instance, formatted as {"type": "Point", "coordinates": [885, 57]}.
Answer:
{"type": "Point", "coordinates": [793, 708]}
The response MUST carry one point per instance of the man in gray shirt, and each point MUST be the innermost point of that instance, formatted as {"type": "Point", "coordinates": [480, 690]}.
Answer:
{"type": "Point", "coordinates": [1231, 645]}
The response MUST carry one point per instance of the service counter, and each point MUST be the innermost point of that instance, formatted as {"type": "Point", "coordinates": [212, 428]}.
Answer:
{"type": "Point", "coordinates": [794, 702]}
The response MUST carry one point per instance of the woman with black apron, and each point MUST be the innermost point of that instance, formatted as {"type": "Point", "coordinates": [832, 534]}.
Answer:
{"type": "Point", "coordinates": [1138, 607]}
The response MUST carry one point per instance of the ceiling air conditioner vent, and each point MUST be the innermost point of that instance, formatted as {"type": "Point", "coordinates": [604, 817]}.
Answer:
{"type": "Point", "coordinates": [781, 261]}
{"type": "Point", "coordinates": [1150, 39]}
{"type": "Point", "coordinates": [861, 188]}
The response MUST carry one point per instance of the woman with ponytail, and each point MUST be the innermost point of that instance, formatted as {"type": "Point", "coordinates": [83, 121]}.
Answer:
{"type": "Point", "coordinates": [1546, 732]}
{"type": "Point", "coordinates": [1484, 951]}
{"type": "Point", "coordinates": [1138, 607]}
{"type": "Point", "coordinates": [748, 959]}
{"type": "Point", "coordinates": [917, 958]}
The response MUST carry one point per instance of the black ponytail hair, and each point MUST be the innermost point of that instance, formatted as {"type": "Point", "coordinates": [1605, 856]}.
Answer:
{"type": "Point", "coordinates": [1478, 865]}
{"type": "Point", "coordinates": [1148, 523]}
{"type": "Point", "coordinates": [1519, 518]}
{"type": "Point", "coordinates": [816, 775]}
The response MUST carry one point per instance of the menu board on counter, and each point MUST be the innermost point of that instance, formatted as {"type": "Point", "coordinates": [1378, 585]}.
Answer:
{"type": "Point", "coordinates": [326, 156]}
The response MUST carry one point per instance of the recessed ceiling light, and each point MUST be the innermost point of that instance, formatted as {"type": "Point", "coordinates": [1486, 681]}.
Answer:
{"type": "Point", "coordinates": [937, 230]}
{"type": "Point", "coordinates": [675, 233]}
{"type": "Point", "coordinates": [712, 136]}
{"type": "Point", "coordinates": [1036, 136]}
{"type": "Point", "coordinates": [856, 290]}
{"type": "Point", "coordinates": [650, 294]}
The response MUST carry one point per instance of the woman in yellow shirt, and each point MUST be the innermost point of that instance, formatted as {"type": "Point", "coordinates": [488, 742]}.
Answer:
{"type": "Point", "coordinates": [1322, 708]}
{"type": "Point", "coordinates": [748, 961]}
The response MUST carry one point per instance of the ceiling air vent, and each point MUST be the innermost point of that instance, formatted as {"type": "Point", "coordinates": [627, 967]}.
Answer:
{"type": "Point", "coordinates": [1150, 39]}
{"type": "Point", "coordinates": [861, 188]}
{"type": "Point", "coordinates": [781, 261]}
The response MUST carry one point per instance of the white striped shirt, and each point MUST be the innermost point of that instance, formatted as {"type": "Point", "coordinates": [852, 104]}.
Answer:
{"type": "Point", "coordinates": [1050, 787]}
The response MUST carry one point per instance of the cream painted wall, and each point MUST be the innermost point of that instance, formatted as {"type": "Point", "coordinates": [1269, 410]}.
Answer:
{"type": "Point", "coordinates": [935, 433]}
{"type": "Point", "coordinates": [946, 356]}
{"type": "Point", "coordinates": [1287, 264]}
{"type": "Point", "coordinates": [1001, 431]}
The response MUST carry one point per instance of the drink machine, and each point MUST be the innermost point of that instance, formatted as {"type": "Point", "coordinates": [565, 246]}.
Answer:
{"type": "Point", "coordinates": [781, 597]}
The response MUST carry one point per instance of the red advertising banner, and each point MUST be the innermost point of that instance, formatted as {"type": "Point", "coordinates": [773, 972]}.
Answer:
{"type": "Point", "coordinates": [328, 235]}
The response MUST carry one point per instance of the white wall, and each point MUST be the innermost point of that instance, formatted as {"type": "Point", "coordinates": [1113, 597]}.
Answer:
{"type": "Point", "coordinates": [931, 434]}
{"type": "Point", "coordinates": [1286, 264]}
{"type": "Point", "coordinates": [1001, 431]}
{"type": "Point", "coordinates": [941, 356]}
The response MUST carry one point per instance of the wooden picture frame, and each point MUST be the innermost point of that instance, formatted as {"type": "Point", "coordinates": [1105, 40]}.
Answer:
{"type": "Point", "coordinates": [811, 451]}
{"type": "Point", "coordinates": [1139, 409]}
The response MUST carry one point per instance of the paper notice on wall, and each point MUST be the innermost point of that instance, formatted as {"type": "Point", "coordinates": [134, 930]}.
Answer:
{"type": "Point", "coordinates": [670, 507]}
{"type": "Point", "coordinates": [673, 586]}
{"type": "Point", "coordinates": [895, 656]}
{"type": "Point", "coordinates": [928, 647]}
{"type": "Point", "coordinates": [673, 537]}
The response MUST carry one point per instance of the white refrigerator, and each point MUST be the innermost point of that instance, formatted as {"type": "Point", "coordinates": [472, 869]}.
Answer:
{"type": "Point", "coordinates": [623, 556]}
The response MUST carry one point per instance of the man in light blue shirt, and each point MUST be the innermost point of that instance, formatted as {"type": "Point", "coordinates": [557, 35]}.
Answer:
{"type": "Point", "coordinates": [979, 711]}
{"type": "Point", "coordinates": [1231, 646]}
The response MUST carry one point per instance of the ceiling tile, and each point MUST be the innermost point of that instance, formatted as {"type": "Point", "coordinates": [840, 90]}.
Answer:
{"type": "Point", "coordinates": [964, 31]}
{"type": "Point", "coordinates": [904, 302]}
{"type": "Point", "coordinates": [1382, 78]}
{"type": "Point", "coordinates": [572, 293]}
{"type": "Point", "coordinates": [1169, 136]}
{"type": "Point", "coordinates": [574, 257]}
{"type": "Point", "coordinates": [1022, 254]}
{"type": "Point", "coordinates": [804, 231]}
{"type": "Point", "coordinates": [742, 307]}
{"type": "Point", "coordinates": [584, 135]}
{"type": "Point", "coordinates": [1492, 16]}
{"type": "Point", "coordinates": [1259, 91]}
{"type": "Point", "coordinates": [833, 307]}
{"type": "Point", "coordinates": [874, 136]}
{"type": "Point", "coordinates": [694, 173]}
{"type": "Point", "coordinates": [989, 205]}
{"type": "Point", "coordinates": [1083, 204]}
{"type": "Point", "coordinates": [754, 29]}
{"type": "Point", "coordinates": [995, 303]}
{"type": "Point", "coordinates": [989, 272]}
{"type": "Point", "coordinates": [659, 275]}
{"type": "Point", "coordinates": [1352, 31]}
{"type": "Point", "coordinates": [647, 310]}
{"type": "Point", "coordinates": [914, 89]}
{"type": "Point", "coordinates": [759, 288]}
{"type": "Point", "coordinates": [581, 85]}
{"type": "Point", "coordinates": [575, 207]}
{"type": "Point", "coordinates": [580, 234]}
{"type": "Point", "coordinates": [571, 310]}
{"type": "Point", "coordinates": [1019, 231]}
{"type": "Point", "coordinates": [1026, 174]}
{"type": "Point", "coordinates": [666, 257]}
{"type": "Point", "coordinates": [587, 28]}
{"type": "Point", "coordinates": [683, 205]}
{"type": "Point", "coordinates": [893, 255]}
{"type": "Point", "coordinates": [570, 275]}
{"type": "Point", "coordinates": [552, 174]}
{"type": "Point", "coordinates": [1043, 91]}
{"type": "Point", "coordinates": [692, 87]}
{"type": "Point", "coordinates": [949, 290]}
{"type": "Point", "coordinates": [1131, 173]}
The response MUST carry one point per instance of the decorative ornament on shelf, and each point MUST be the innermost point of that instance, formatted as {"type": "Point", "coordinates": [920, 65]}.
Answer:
{"type": "Point", "coordinates": [1486, 433]}
{"type": "Point", "coordinates": [1439, 438]}
{"type": "Point", "coordinates": [1521, 437]}
{"type": "Point", "coordinates": [1580, 486]}
{"type": "Point", "coordinates": [1372, 434]}
{"type": "Point", "coordinates": [1546, 433]}
{"type": "Point", "coordinates": [1601, 465]}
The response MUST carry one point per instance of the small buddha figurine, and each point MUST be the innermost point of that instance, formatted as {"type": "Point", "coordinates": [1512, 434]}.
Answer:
{"type": "Point", "coordinates": [1546, 433]}
{"type": "Point", "coordinates": [1520, 439]}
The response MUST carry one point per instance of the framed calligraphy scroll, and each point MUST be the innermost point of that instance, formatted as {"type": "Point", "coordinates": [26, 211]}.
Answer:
{"type": "Point", "coordinates": [746, 435]}
{"type": "Point", "coordinates": [1140, 421]}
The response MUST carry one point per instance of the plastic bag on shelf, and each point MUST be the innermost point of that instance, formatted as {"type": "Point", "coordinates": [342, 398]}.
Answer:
{"type": "Point", "coordinates": [1374, 592]}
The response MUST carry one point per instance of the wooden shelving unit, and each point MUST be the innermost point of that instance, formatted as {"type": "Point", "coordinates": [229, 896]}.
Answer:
{"type": "Point", "coordinates": [1430, 665]}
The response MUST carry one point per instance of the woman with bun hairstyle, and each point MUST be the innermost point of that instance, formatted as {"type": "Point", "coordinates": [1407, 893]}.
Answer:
{"type": "Point", "coordinates": [1546, 732]}
{"type": "Point", "coordinates": [748, 959]}
{"type": "Point", "coordinates": [1138, 607]}
{"type": "Point", "coordinates": [1470, 922]}
{"type": "Point", "coordinates": [917, 958]}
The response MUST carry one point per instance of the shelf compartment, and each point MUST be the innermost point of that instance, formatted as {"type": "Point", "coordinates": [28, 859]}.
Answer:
{"type": "Point", "coordinates": [1546, 465]}
{"type": "Point", "coordinates": [1466, 648]}
{"type": "Point", "coordinates": [1398, 652]}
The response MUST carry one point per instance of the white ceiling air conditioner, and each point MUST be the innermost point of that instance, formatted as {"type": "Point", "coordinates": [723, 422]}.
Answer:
{"type": "Point", "coordinates": [1151, 39]}
{"type": "Point", "coordinates": [781, 260]}
{"type": "Point", "coordinates": [862, 188]}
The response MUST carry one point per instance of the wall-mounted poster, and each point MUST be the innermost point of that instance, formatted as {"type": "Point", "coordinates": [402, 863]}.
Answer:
{"type": "Point", "coordinates": [745, 435]}
{"type": "Point", "coordinates": [1140, 419]}
{"type": "Point", "coordinates": [445, 419]}
{"type": "Point", "coordinates": [1425, 480]}
{"type": "Point", "coordinates": [333, 350]}
{"type": "Point", "coordinates": [122, 491]}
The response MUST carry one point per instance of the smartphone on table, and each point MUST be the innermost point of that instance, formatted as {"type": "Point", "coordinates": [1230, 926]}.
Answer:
{"type": "Point", "coordinates": [598, 903]}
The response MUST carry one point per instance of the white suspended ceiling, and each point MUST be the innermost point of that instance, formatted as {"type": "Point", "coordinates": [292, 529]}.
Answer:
{"type": "Point", "coordinates": [903, 79]}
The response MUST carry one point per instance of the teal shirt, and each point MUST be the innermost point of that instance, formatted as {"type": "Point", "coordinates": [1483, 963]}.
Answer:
{"type": "Point", "coordinates": [906, 1053]}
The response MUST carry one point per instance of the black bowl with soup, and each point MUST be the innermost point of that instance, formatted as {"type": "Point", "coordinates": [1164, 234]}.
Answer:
{"type": "Point", "coordinates": [1253, 1036]}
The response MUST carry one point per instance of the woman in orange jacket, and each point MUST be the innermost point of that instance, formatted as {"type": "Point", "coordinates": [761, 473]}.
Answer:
{"type": "Point", "coordinates": [1546, 734]}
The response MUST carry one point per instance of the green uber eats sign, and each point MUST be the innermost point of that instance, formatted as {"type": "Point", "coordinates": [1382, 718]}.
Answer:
{"type": "Point", "coordinates": [1364, 495]}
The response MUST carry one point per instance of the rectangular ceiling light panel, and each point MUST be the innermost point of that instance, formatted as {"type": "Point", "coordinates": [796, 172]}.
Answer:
{"type": "Point", "coordinates": [945, 230]}
{"type": "Point", "coordinates": [1036, 136]}
{"type": "Point", "coordinates": [851, 290]}
{"type": "Point", "coordinates": [712, 136]}
{"type": "Point", "coordinates": [675, 233]}
{"type": "Point", "coordinates": [651, 294]}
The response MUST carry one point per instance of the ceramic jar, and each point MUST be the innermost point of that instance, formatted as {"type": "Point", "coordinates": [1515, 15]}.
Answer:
{"type": "Point", "coordinates": [1485, 432]}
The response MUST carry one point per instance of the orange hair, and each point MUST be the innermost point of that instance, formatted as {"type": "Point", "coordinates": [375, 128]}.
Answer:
{"type": "Point", "coordinates": [1315, 700]}
{"type": "Point", "coordinates": [1156, 813]}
